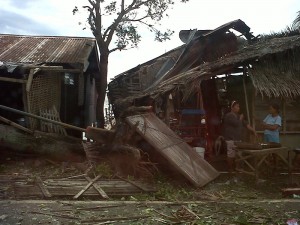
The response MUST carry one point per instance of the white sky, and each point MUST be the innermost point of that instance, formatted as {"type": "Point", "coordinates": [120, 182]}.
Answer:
{"type": "Point", "coordinates": [54, 17]}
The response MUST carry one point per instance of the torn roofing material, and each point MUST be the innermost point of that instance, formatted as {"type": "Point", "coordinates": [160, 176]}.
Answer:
{"type": "Point", "coordinates": [201, 47]}
{"type": "Point", "coordinates": [208, 46]}
{"type": "Point", "coordinates": [248, 54]}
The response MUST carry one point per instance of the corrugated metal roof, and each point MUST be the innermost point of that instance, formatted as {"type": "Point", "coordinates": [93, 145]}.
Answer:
{"type": "Point", "coordinates": [175, 150]}
{"type": "Point", "coordinates": [44, 49]}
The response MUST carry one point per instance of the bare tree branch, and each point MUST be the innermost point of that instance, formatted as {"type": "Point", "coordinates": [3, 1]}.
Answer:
{"type": "Point", "coordinates": [122, 5]}
{"type": "Point", "coordinates": [135, 20]}
{"type": "Point", "coordinates": [119, 48]}
{"type": "Point", "coordinates": [108, 34]}
{"type": "Point", "coordinates": [98, 21]}
{"type": "Point", "coordinates": [132, 6]}
{"type": "Point", "coordinates": [91, 18]}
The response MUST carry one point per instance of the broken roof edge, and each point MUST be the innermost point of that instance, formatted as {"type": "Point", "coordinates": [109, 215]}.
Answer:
{"type": "Point", "coordinates": [238, 25]}
{"type": "Point", "coordinates": [246, 55]}
{"type": "Point", "coordinates": [26, 67]}
{"type": "Point", "coordinates": [134, 69]}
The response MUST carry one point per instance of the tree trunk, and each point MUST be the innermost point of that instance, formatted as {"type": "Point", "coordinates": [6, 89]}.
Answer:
{"type": "Point", "coordinates": [101, 85]}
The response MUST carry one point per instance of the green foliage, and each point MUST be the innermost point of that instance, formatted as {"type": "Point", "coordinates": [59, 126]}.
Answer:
{"type": "Point", "coordinates": [128, 17]}
{"type": "Point", "coordinates": [159, 36]}
{"type": "Point", "coordinates": [2, 167]}
{"type": "Point", "coordinates": [296, 22]}
{"type": "Point", "coordinates": [127, 35]}
{"type": "Point", "coordinates": [111, 7]}
{"type": "Point", "coordinates": [104, 169]}
{"type": "Point", "coordinates": [167, 191]}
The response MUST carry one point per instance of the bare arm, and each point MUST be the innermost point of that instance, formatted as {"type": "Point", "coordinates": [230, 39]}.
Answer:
{"type": "Point", "coordinates": [270, 126]}
{"type": "Point", "coordinates": [251, 129]}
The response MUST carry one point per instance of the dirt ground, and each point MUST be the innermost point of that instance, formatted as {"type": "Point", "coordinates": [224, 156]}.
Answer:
{"type": "Point", "coordinates": [223, 201]}
{"type": "Point", "coordinates": [29, 212]}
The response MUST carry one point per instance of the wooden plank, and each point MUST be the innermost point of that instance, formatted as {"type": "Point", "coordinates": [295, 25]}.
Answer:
{"type": "Point", "coordinates": [133, 183]}
{"type": "Point", "coordinates": [178, 153]}
{"type": "Point", "coordinates": [98, 188]}
{"type": "Point", "coordinates": [86, 187]}
{"type": "Point", "coordinates": [290, 191]}
{"type": "Point", "coordinates": [13, 124]}
{"type": "Point", "coordinates": [8, 79]}
{"type": "Point", "coordinates": [41, 185]}
{"type": "Point", "coordinates": [70, 187]}
{"type": "Point", "coordinates": [30, 79]}
{"type": "Point", "coordinates": [265, 151]}
{"type": "Point", "coordinates": [41, 118]}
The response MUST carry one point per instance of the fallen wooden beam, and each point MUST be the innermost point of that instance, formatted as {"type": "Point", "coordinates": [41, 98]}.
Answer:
{"type": "Point", "coordinates": [133, 183]}
{"type": "Point", "coordinates": [55, 147]}
{"type": "Point", "coordinates": [41, 118]}
{"type": "Point", "coordinates": [13, 124]}
{"type": "Point", "coordinates": [98, 188]}
{"type": "Point", "coordinates": [87, 186]}
{"type": "Point", "coordinates": [290, 191]}
{"type": "Point", "coordinates": [22, 81]}
{"type": "Point", "coordinates": [41, 185]}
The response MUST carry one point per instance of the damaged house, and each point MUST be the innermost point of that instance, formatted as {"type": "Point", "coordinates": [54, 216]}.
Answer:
{"type": "Point", "coordinates": [53, 77]}
{"type": "Point", "coordinates": [190, 87]}
{"type": "Point", "coordinates": [47, 94]}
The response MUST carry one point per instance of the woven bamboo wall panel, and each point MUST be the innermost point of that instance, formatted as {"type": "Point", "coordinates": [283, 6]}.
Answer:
{"type": "Point", "coordinates": [45, 93]}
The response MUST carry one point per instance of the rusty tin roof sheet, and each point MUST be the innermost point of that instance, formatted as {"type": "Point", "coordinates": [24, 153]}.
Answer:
{"type": "Point", "coordinates": [44, 49]}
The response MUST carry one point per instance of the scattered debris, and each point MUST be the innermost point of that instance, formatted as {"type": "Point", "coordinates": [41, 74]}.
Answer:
{"type": "Point", "coordinates": [78, 187]}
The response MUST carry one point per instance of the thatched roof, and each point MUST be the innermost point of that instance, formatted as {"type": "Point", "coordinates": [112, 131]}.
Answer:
{"type": "Point", "coordinates": [278, 75]}
{"type": "Point", "coordinates": [249, 54]}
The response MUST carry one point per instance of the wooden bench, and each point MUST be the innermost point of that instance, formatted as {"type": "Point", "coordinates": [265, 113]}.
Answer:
{"type": "Point", "coordinates": [250, 161]}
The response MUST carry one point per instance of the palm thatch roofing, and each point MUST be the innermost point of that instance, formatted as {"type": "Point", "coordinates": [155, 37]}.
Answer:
{"type": "Point", "coordinates": [280, 80]}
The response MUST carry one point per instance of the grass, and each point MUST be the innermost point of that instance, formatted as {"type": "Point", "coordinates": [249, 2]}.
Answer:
{"type": "Point", "coordinates": [104, 169]}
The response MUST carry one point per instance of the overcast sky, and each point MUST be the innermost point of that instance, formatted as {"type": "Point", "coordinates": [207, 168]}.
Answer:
{"type": "Point", "coordinates": [55, 18]}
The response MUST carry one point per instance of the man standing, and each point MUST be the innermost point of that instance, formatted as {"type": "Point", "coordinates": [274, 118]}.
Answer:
{"type": "Point", "coordinates": [233, 129]}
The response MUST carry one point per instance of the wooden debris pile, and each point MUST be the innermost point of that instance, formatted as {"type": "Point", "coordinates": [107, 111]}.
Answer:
{"type": "Point", "coordinates": [80, 186]}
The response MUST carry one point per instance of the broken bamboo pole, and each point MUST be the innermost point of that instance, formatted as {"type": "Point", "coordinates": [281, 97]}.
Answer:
{"type": "Point", "coordinates": [55, 147]}
{"type": "Point", "coordinates": [41, 118]}
{"type": "Point", "coordinates": [13, 124]}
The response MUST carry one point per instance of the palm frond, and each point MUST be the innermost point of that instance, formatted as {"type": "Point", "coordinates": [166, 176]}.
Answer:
{"type": "Point", "coordinates": [296, 22]}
